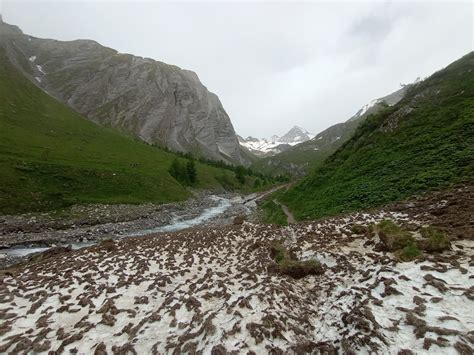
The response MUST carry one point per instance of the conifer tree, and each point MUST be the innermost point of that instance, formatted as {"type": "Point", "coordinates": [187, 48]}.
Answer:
{"type": "Point", "coordinates": [191, 171]}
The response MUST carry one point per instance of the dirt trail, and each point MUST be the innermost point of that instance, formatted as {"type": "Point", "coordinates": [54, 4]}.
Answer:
{"type": "Point", "coordinates": [289, 216]}
{"type": "Point", "coordinates": [258, 196]}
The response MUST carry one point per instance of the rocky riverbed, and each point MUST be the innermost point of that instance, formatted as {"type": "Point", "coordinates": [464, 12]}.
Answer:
{"type": "Point", "coordinates": [81, 226]}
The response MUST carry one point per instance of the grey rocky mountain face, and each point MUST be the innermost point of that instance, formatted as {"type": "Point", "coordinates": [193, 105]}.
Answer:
{"type": "Point", "coordinates": [296, 135]}
{"type": "Point", "coordinates": [156, 102]}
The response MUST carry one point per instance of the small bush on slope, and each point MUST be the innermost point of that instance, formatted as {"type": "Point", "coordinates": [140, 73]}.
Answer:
{"type": "Point", "coordinates": [424, 142]}
{"type": "Point", "coordinates": [403, 243]}
{"type": "Point", "coordinates": [435, 240]}
{"type": "Point", "coordinates": [397, 240]}
{"type": "Point", "coordinates": [392, 236]}
{"type": "Point", "coordinates": [409, 252]}
{"type": "Point", "coordinates": [286, 264]}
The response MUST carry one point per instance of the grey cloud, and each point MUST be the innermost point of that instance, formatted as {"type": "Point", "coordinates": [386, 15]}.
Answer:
{"type": "Point", "coordinates": [373, 27]}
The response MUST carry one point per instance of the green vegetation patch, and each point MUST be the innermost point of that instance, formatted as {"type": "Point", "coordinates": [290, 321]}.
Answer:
{"type": "Point", "coordinates": [186, 173]}
{"type": "Point", "coordinates": [409, 252]}
{"type": "Point", "coordinates": [404, 244]}
{"type": "Point", "coordinates": [392, 236]}
{"type": "Point", "coordinates": [434, 240]}
{"type": "Point", "coordinates": [394, 239]}
{"type": "Point", "coordinates": [286, 264]}
{"type": "Point", "coordinates": [271, 213]}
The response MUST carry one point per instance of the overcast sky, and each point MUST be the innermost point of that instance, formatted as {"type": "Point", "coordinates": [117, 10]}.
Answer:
{"type": "Point", "coordinates": [273, 65]}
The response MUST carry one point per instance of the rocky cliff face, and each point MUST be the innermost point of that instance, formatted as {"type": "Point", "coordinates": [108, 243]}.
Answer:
{"type": "Point", "coordinates": [156, 102]}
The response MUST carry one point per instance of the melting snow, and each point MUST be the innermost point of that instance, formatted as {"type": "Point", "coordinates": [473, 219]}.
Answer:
{"type": "Point", "coordinates": [23, 251]}
{"type": "Point", "coordinates": [212, 291]}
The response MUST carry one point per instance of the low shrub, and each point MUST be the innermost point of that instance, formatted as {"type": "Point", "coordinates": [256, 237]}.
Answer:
{"type": "Point", "coordinates": [434, 240]}
{"type": "Point", "coordinates": [409, 252]}
{"type": "Point", "coordinates": [299, 269]}
{"type": "Point", "coordinates": [392, 236]}
{"type": "Point", "coordinates": [359, 229]}
{"type": "Point", "coordinates": [286, 264]}
{"type": "Point", "coordinates": [271, 213]}
{"type": "Point", "coordinates": [279, 253]}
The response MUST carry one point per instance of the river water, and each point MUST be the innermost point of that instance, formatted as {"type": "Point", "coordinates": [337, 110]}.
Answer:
{"type": "Point", "coordinates": [178, 223]}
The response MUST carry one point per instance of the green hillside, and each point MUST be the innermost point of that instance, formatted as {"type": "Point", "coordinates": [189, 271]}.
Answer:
{"type": "Point", "coordinates": [424, 142]}
{"type": "Point", "coordinates": [50, 157]}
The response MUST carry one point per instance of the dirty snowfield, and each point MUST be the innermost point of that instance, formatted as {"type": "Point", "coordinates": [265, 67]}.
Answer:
{"type": "Point", "coordinates": [210, 290]}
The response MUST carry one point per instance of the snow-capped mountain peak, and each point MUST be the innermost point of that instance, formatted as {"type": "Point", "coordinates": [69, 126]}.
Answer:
{"type": "Point", "coordinates": [296, 135]}
{"type": "Point", "coordinates": [366, 108]}
{"type": "Point", "coordinates": [389, 100]}
{"type": "Point", "coordinates": [275, 144]}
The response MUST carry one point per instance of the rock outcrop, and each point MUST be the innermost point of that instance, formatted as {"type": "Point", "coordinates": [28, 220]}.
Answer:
{"type": "Point", "coordinates": [156, 102]}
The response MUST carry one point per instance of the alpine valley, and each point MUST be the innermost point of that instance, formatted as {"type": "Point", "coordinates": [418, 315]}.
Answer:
{"type": "Point", "coordinates": [134, 220]}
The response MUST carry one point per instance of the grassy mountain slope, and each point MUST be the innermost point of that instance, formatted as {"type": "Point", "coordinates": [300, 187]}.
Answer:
{"type": "Point", "coordinates": [424, 142]}
{"type": "Point", "coordinates": [51, 157]}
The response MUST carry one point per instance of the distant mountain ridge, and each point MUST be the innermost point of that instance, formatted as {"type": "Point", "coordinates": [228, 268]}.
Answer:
{"type": "Point", "coordinates": [153, 101]}
{"type": "Point", "coordinates": [300, 158]}
{"type": "Point", "coordinates": [271, 146]}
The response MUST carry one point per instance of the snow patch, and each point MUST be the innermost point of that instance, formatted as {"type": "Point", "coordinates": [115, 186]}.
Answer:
{"type": "Point", "coordinates": [270, 146]}
{"type": "Point", "coordinates": [40, 68]}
